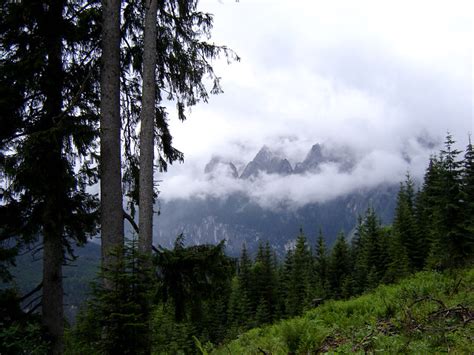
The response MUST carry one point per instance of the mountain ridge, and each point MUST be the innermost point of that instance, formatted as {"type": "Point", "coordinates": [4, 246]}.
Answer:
{"type": "Point", "coordinates": [270, 162]}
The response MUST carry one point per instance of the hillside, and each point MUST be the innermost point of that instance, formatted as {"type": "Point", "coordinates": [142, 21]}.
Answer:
{"type": "Point", "coordinates": [429, 312]}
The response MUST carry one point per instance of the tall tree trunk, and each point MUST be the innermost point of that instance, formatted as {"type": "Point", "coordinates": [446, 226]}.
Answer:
{"type": "Point", "coordinates": [147, 136]}
{"type": "Point", "coordinates": [112, 230]}
{"type": "Point", "coordinates": [52, 301]}
{"type": "Point", "coordinates": [51, 154]}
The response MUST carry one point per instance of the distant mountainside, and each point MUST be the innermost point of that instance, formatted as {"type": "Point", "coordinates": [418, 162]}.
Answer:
{"type": "Point", "coordinates": [238, 219]}
{"type": "Point", "coordinates": [77, 275]}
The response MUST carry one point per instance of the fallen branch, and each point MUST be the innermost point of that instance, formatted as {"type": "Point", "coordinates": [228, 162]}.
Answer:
{"type": "Point", "coordinates": [361, 343]}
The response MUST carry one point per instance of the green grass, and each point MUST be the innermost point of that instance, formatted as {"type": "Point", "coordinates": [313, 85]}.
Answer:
{"type": "Point", "coordinates": [427, 313]}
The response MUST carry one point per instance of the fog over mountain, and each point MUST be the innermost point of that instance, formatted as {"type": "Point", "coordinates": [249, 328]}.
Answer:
{"type": "Point", "coordinates": [330, 106]}
{"type": "Point", "coordinates": [384, 81]}
{"type": "Point", "coordinates": [269, 198]}
{"type": "Point", "coordinates": [325, 172]}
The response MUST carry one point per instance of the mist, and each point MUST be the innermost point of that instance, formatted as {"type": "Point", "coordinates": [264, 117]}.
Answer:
{"type": "Point", "coordinates": [385, 82]}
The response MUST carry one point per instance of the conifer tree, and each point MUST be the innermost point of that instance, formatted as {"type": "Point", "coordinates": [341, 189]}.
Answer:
{"type": "Point", "coordinates": [190, 276]}
{"type": "Point", "coordinates": [284, 277]}
{"type": "Point", "coordinates": [265, 283]}
{"type": "Point", "coordinates": [321, 267]}
{"type": "Point", "coordinates": [369, 252]}
{"type": "Point", "coordinates": [236, 310]}
{"type": "Point", "coordinates": [339, 267]}
{"type": "Point", "coordinates": [359, 273]}
{"type": "Point", "coordinates": [263, 314]}
{"type": "Point", "coordinates": [426, 208]}
{"type": "Point", "coordinates": [116, 318]}
{"type": "Point", "coordinates": [245, 289]}
{"type": "Point", "coordinates": [398, 263]}
{"type": "Point", "coordinates": [215, 316]}
{"type": "Point", "coordinates": [48, 108]}
{"type": "Point", "coordinates": [467, 181]}
{"type": "Point", "coordinates": [403, 241]}
{"type": "Point", "coordinates": [373, 248]}
{"type": "Point", "coordinates": [298, 279]}
{"type": "Point", "coordinates": [447, 248]}
{"type": "Point", "coordinates": [175, 66]}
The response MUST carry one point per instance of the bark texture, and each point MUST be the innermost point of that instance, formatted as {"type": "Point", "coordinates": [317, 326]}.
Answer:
{"type": "Point", "coordinates": [147, 136]}
{"type": "Point", "coordinates": [112, 230]}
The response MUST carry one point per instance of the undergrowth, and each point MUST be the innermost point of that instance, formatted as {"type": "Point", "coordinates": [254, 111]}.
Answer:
{"type": "Point", "coordinates": [429, 312]}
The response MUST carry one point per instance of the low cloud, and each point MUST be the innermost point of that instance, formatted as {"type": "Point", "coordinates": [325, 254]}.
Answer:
{"type": "Point", "coordinates": [345, 75]}
{"type": "Point", "coordinates": [275, 191]}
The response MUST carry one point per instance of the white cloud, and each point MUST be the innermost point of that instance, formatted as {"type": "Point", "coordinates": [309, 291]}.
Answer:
{"type": "Point", "coordinates": [295, 190]}
{"type": "Point", "coordinates": [368, 74]}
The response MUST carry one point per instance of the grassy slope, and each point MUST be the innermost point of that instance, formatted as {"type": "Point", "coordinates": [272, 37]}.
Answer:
{"type": "Point", "coordinates": [426, 313]}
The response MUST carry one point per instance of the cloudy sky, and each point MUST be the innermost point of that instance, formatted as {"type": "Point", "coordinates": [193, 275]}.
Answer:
{"type": "Point", "coordinates": [371, 75]}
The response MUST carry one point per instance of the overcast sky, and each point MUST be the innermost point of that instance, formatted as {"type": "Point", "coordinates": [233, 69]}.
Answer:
{"type": "Point", "coordinates": [373, 75]}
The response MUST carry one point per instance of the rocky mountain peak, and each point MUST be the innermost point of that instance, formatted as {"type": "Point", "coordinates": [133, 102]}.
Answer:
{"type": "Point", "coordinates": [320, 154]}
{"type": "Point", "coordinates": [313, 159]}
{"type": "Point", "coordinates": [315, 155]}
{"type": "Point", "coordinates": [217, 165]}
{"type": "Point", "coordinates": [267, 161]}
{"type": "Point", "coordinates": [264, 155]}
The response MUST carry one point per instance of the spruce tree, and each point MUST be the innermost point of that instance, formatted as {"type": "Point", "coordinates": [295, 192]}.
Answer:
{"type": "Point", "coordinates": [373, 248]}
{"type": "Point", "coordinates": [298, 286]}
{"type": "Point", "coordinates": [467, 181]}
{"type": "Point", "coordinates": [263, 313]}
{"type": "Point", "coordinates": [48, 108]}
{"type": "Point", "coordinates": [404, 246]}
{"type": "Point", "coordinates": [265, 283]}
{"type": "Point", "coordinates": [426, 208]}
{"type": "Point", "coordinates": [167, 58]}
{"type": "Point", "coordinates": [370, 254]}
{"type": "Point", "coordinates": [235, 310]}
{"type": "Point", "coordinates": [116, 318]}
{"type": "Point", "coordinates": [285, 274]}
{"type": "Point", "coordinates": [359, 273]}
{"type": "Point", "coordinates": [447, 247]}
{"type": "Point", "coordinates": [245, 278]}
{"type": "Point", "coordinates": [339, 267]}
{"type": "Point", "coordinates": [321, 267]}
{"type": "Point", "coordinates": [194, 279]}
{"type": "Point", "coordinates": [397, 263]}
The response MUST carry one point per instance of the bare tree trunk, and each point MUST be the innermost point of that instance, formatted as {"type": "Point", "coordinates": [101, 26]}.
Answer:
{"type": "Point", "coordinates": [52, 300]}
{"type": "Point", "coordinates": [112, 230]}
{"type": "Point", "coordinates": [147, 137]}
{"type": "Point", "coordinates": [51, 155]}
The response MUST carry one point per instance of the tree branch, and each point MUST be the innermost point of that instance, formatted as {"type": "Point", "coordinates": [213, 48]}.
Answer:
{"type": "Point", "coordinates": [132, 222]}
{"type": "Point", "coordinates": [36, 289]}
